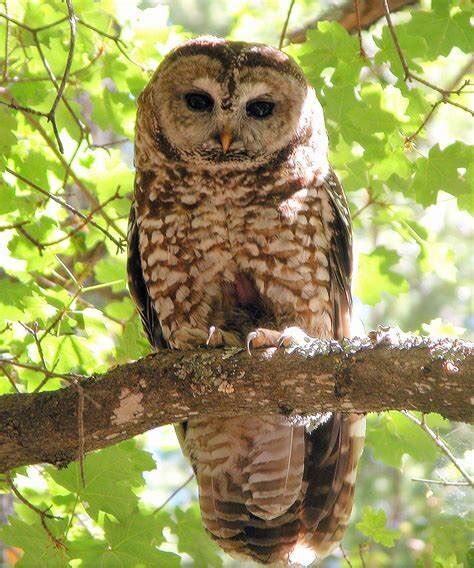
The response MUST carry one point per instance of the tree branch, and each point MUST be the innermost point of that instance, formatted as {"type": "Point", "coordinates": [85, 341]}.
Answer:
{"type": "Point", "coordinates": [367, 13]}
{"type": "Point", "coordinates": [385, 371]}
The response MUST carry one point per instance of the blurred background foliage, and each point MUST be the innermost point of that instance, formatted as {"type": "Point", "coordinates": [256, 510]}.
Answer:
{"type": "Point", "coordinates": [403, 153]}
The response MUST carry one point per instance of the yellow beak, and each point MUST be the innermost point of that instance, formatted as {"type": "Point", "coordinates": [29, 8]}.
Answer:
{"type": "Point", "coordinates": [226, 139]}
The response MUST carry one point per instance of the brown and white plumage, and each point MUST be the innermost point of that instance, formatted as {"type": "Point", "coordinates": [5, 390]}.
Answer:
{"type": "Point", "coordinates": [240, 223]}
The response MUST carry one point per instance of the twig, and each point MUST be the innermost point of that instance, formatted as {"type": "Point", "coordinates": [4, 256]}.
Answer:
{"type": "Point", "coordinates": [119, 43]}
{"type": "Point", "coordinates": [409, 75]}
{"type": "Point", "coordinates": [7, 33]}
{"type": "Point", "coordinates": [175, 492]}
{"type": "Point", "coordinates": [25, 501]}
{"type": "Point", "coordinates": [67, 69]}
{"type": "Point", "coordinates": [66, 205]}
{"type": "Point", "coordinates": [73, 380]}
{"type": "Point", "coordinates": [80, 430]}
{"type": "Point", "coordinates": [91, 197]}
{"type": "Point", "coordinates": [51, 114]}
{"type": "Point", "coordinates": [13, 226]}
{"type": "Point", "coordinates": [344, 555]}
{"type": "Point", "coordinates": [11, 379]}
{"type": "Point", "coordinates": [285, 25]}
{"type": "Point", "coordinates": [359, 29]}
{"type": "Point", "coordinates": [362, 548]}
{"type": "Point", "coordinates": [451, 89]}
{"type": "Point", "coordinates": [441, 482]}
{"type": "Point", "coordinates": [108, 144]}
{"type": "Point", "coordinates": [441, 445]}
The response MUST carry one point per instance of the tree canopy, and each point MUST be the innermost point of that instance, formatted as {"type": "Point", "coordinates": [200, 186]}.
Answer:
{"type": "Point", "coordinates": [398, 104]}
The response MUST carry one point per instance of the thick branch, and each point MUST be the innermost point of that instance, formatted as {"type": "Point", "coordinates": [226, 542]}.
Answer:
{"type": "Point", "coordinates": [370, 12]}
{"type": "Point", "coordinates": [382, 372]}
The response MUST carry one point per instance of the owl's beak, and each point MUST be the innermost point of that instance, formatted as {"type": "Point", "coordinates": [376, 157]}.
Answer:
{"type": "Point", "coordinates": [226, 139]}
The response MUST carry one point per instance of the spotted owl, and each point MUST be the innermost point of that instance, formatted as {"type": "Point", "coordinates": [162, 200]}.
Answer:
{"type": "Point", "coordinates": [240, 234]}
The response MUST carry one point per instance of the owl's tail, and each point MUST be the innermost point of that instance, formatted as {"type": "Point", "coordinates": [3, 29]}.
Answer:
{"type": "Point", "coordinates": [272, 491]}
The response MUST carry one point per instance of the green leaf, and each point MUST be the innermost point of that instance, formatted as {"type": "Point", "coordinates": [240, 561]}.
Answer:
{"type": "Point", "coordinates": [392, 435]}
{"type": "Point", "coordinates": [330, 45]}
{"type": "Point", "coordinates": [451, 537]}
{"type": "Point", "coordinates": [110, 475]}
{"type": "Point", "coordinates": [373, 525]}
{"type": "Point", "coordinates": [443, 30]}
{"type": "Point", "coordinates": [446, 170]}
{"type": "Point", "coordinates": [376, 276]}
{"type": "Point", "coordinates": [110, 270]}
{"type": "Point", "coordinates": [38, 547]}
{"type": "Point", "coordinates": [132, 343]}
{"type": "Point", "coordinates": [8, 138]}
{"type": "Point", "coordinates": [193, 540]}
{"type": "Point", "coordinates": [133, 542]}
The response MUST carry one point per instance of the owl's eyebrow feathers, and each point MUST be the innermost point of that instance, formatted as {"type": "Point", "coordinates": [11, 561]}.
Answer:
{"type": "Point", "coordinates": [241, 54]}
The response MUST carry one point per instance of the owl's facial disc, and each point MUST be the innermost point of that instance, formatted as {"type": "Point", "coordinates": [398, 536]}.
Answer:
{"type": "Point", "coordinates": [213, 114]}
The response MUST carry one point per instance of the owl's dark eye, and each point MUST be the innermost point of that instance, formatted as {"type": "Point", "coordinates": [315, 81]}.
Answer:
{"type": "Point", "coordinates": [200, 102]}
{"type": "Point", "coordinates": [259, 109]}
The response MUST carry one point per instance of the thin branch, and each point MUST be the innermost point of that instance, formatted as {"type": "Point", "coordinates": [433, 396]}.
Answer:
{"type": "Point", "coordinates": [175, 492]}
{"type": "Point", "coordinates": [13, 226]}
{"type": "Point", "coordinates": [73, 380]}
{"type": "Point", "coordinates": [371, 12]}
{"type": "Point", "coordinates": [70, 208]}
{"type": "Point", "coordinates": [409, 75]}
{"type": "Point", "coordinates": [25, 501]}
{"type": "Point", "coordinates": [359, 29]}
{"type": "Point", "coordinates": [451, 88]}
{"type": "Point", "coordinates": [10, 379]}
{"type": "Point", "coordinates": [7, 34]}
{"type": "Point", "coordinates": [87, 193]}
{"type": "Point", "coordinates": [344, 555]}
{"type": "Point", "coordinates": [51, 114]}
{"type": "Point", "coordinates": [119, 43]}
{"type": "Point", "coordinates": [80, 430]}
{"type": "Point", "coordinates": [285, 25]}
{"type": "Point", "coordinates": [67, 69]}
{"type": "Point", "coordinates": [441, 445]}
{"type": "Point", "coordinates": [442, 482]}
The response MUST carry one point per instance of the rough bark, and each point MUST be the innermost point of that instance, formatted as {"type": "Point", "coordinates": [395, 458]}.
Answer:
{"type": "Point", "coordinates": [384, 371]}
{"type": "Point", "coordinates": [370, 12]}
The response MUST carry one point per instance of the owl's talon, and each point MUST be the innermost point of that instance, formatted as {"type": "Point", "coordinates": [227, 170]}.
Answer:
{"type": "Point", "coordinates": [212, 331]}
{"type": "Point", "coordinates": [250, 337]}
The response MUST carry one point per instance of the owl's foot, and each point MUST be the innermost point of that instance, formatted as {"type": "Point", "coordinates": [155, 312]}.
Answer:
{"type": "Point", "coordinates": [289, 337]}
{"type": "Point", "coordinates": [294, 336]}
{"type": "Point", "coordinates": [262, 337]}
{"type": "Point", "coordinates": [192, 338]}
{"type": "Point", "coordinates": [218, 338]}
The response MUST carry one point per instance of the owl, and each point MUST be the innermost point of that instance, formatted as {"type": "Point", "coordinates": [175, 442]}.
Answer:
{"type": "Point", "coordinates": [240, 234]}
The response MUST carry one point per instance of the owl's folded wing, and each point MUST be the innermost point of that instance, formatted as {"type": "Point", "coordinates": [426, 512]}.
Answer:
{"type": "Point", "coordinates": [138, 288]}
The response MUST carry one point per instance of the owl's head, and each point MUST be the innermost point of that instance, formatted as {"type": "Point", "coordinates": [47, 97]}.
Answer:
{"type": "Point", "coordinates": [213, 102]}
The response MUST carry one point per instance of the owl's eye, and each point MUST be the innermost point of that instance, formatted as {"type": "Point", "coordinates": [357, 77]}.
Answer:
{"type": "Point", "coordinates": [200, 102]}
{"type": "Point", "coordinates": [259, 109]}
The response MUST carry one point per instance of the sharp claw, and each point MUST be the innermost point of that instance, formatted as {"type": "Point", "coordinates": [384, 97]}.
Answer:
{"type": "Point", "coordinates": [212, 330]}
{"type": "Point", "coordinates": [250, 337]}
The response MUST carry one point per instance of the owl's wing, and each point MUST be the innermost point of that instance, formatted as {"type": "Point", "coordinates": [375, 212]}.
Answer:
{"type": "Point", "coordinates": [138, 288]}
{"type": "Point", "coordinates": [340, 258]}
{"type": "Point", "coordinates": [334, 448]}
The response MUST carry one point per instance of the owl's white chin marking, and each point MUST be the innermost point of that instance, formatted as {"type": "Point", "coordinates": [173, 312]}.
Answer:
{"type": "Point", "coordinates": [301, 555]}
